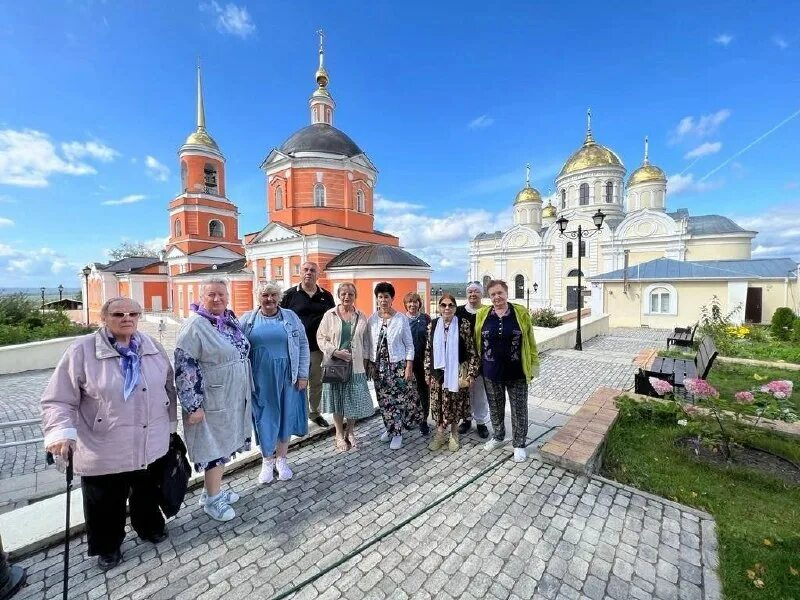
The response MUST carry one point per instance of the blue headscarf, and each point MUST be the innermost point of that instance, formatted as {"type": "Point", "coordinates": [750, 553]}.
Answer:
{"type": "Point", "coordinates": [131, 364]}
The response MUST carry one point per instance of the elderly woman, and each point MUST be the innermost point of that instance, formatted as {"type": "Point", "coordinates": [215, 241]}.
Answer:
{"type": "Point", "coordinates": [111, 401]}
{"type": "Point", "coordinates": [391, 356]}
{"type": "Point", "coordinates": [504, 338]}
{"type": "Point", "coordinates": [477, 391]}
{"type": "Point", "coordinates": [451, 365]}
{"type": "Point", "coordinates": [341, 335]}
{"type": "Point", "coordinates": [214, 382]}
{"type": "Point", "coordinates": [419, 322]}
{"type": "Point", "coordinates": [279, 355]}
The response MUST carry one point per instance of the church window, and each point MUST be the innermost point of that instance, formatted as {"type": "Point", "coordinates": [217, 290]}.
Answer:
{"type": "Point", "coordinates": [584, 199]}
{"type": "Point", "coordinates": [296, 269]}
{"type": "Point", "coordinates": [582, 248]}
{"type": "Point", "coordinates": [569, 249]}
{"type": "Point", "coordinates": [519, 287]}
{"type": "Point", "coordinates": [278, 271]}
{"type": "Point", "coordinates": [210, 178]}
{"type": "Point", "coordinates": [361, 205]}
{"type": "Point", "coordinates": [563, 199]}
{"type": "Point", "coordinates": [184, 177]}
{"type": "Point", "coordinates": [660, 300]}
{"type": "Point", "coordinates": [486, 280]}
{"type": "Point", "coordinates": [609, 192]}
{"type": "Point", "coordinates": [278, 198]}
{"type": "Point", "coordinates": [575, 273]}
{"type": "Point", "coordinates": [178, 228]}
{"type": "Point", "coordinates": [216, 229]}
{"type": "Point", "coordinates": [319, 195]}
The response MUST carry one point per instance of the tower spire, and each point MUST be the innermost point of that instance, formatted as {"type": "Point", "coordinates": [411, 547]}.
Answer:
{"type": "Point", "coordinates": [201, 111]}
{"type": "Point", "coordinates": [321, 102]}
{"type": "Point", "coordinates": [322, 74]}
{"type": "Point", "coordinates": [589, 139]}
{"type": "Point", "coordinates": [646, 151]}
{"type": "Point", "coordinates": [527, 174]}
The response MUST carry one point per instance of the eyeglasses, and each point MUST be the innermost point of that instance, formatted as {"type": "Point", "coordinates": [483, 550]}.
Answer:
{"type": "Point", "coordinates": [447, 305]}
{"type": "Point", "coordinates": [119, 315]}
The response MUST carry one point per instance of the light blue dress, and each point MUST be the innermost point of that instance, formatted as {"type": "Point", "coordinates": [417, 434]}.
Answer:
{"type": "Point", "coordinates": [279, 408]}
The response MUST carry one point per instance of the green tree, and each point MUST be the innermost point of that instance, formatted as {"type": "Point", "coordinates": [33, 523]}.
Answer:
{"type": "Point", "coordinates": [128, 249]}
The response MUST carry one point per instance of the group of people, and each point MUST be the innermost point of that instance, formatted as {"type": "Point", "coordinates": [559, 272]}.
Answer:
{"type": "Point", "coordinates": [113, 398]}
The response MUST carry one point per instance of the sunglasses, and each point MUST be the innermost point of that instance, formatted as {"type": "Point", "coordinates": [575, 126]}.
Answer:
{"type": "Point", "coordinates": [119, 315]}
{"type": "Point", "coordinates": [447, 305]}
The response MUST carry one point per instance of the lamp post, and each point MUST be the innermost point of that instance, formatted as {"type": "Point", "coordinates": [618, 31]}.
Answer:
{"type": "Point", "coordinates": [436, 294]}
{"type": "Point", "coordinates": [42, 290]}
{"type": "Point", "coordinates": [580, 235]}
{"type": "Point", "coordinates": [528, 294]}
{"type": "Point", "coordinates": [86, 270]}
{"type": "Point", "coordinates": [60, 292]}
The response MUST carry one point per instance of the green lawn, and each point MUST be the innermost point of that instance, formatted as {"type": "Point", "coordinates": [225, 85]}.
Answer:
{"type": "Point", "coordinates": [730, 378]}
{"type": "Point", "coordinates": [758, 517]}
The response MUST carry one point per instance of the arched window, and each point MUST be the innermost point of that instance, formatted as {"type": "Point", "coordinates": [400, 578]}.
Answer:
{"type": "Point", "coordinates": [178, 228]}
{"type": "Point", "coordinates": [184, 176]}
{"type": "Point", "coordinates": [660, 301]}
{"type": "Point", "coordinates": [210, 178]}
{"type": "Point", "coordinates": [486, 280]}
{"type": "Point", "coordinates": [609, 192]}
{"type": "Point", "coordinates": [584, 200]}
{"type": "Point", "coordinates": [216, 229]}
{"type": "Point", "coordinates": [319, 195]}
{"type": "Point", "coordinates": [361, 205]}
{"type": "Point", "coordinates": [574, 273]}
{"type": "Point", "coordinates": [583, 248]}
{"type": "Point", "coordinates": [278, 198]}
{"type": "Point", "coordinates": [569, 250]}
{"type": "Point", "coordinates": [563, 199]}
{"type": "Point", "coordinates": [519, 287]}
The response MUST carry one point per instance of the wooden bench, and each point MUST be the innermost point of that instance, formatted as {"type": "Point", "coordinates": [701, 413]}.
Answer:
{"type": "Point", "coordinates": [682, 336]}
{"type": "Point", "coordinates": [681, 369]}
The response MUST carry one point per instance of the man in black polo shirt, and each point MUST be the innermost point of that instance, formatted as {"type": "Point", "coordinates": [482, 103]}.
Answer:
{"type": "Point", "coordinates": [310, 302]}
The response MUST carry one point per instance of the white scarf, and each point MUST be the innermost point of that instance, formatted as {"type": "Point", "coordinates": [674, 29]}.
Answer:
{"type": "Point", "coordinates": [445, 352]}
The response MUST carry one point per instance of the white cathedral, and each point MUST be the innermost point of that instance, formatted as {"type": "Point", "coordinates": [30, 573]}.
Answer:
{"type": "Point", "coordinates": [541, 266]}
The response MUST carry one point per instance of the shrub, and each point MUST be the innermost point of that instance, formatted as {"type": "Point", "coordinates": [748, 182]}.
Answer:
{"type": "Point", "coordinates": [782, 323]}
{"type": "Point", "coordinates": [796, 331]}
{"type": "Point", "coordinates": [22, 322]}
{"type": "Point", "coordinates": [546, 317]}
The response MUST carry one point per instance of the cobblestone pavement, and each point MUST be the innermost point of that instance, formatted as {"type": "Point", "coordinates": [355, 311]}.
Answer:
{"type": "Point", "coordinates": [374, 523]}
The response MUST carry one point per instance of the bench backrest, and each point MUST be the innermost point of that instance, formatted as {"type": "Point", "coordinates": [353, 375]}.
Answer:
{"type": "Point", "coordinates": [693, 330]}
{"type": "Point", "coordinates": [705, 356]}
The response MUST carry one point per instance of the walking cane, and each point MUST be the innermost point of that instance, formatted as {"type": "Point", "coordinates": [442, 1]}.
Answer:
{"type": "Point", "coordinates": [69, 473]}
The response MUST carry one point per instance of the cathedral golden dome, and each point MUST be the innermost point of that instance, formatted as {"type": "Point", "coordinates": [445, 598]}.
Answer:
{"type": "Point", "coordinates": [549, 211]}
{"type": "Point", "coordinates": [528, 194]}
{"type": "Point", "coordinates": [647, 173]}
{"type": "Point", "coordinates": [201, 138]}
{"type": "Point", "coordinates": [590, 155]}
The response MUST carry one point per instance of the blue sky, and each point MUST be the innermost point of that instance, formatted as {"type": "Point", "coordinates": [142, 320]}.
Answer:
{"type": "Point", "coordinates": [448, 99]}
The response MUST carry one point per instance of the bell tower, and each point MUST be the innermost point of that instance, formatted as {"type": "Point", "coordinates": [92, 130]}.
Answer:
{"type": "Point", "coordinates": [201, 217]}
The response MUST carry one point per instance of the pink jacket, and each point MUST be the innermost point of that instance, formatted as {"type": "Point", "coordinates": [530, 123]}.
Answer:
{"type": "Point", "coordinates": [84, 402]}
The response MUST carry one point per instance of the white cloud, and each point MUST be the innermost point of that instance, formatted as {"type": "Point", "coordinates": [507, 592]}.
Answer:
{"type": "Point", "coordinates": [723, 39]}
{"type": "Point", "coordinates": [7, 200]}
{"type": "Point", "coordinates": [704, 149]}
{"type": "Point", "coordinates": [28, 158]}
{"type": "Point", "coordinates": [442, 241]}
{"type": "Point", "coordinates": [771, 242]}
{"type": "Point", "coordinates": [156, 244]}
{"type": "Point", "coordinates": [155, 169]}
{"type": "Point", "coordinates": [700, 127]}
{"type": "Point", "coordinates": [230, 18]}
{"type": "Point", "coordinates": [76, 150]}
{"type": "Point", "coordinates": [481, 122]}
{"type": "Point", "coordinates": [681, 184]}
{"type": "Point", "coordinates": [130, 199]}
{"type": "Point", "coordinates": [23, 268]}
{"type": "Point", "coordinates": [4, 222]}
{"type": "Point", "coordinates": [780, 42]}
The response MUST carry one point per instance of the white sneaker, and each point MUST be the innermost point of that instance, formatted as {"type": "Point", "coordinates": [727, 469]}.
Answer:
{"type": "Point", "coordinates": [520, 455]}
{"type": "Point", "coordinates": [397, 442]}
{"type": "Point", "coordinates": [284, 472]}
{"type": "Point", "coordinates": [218, 509]}
{"type": "Point", "coordinates": [267, 471]}
{"type": "Point", "coordinates": [493, 444]}
{"type": "Point", "coordinates": [229, 495]}
{"type": "Point", "coordinates": [385, 437]}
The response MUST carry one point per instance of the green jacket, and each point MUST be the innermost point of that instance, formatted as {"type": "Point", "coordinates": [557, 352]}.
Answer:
{"type": "Point", "coordinates": [530, 357]}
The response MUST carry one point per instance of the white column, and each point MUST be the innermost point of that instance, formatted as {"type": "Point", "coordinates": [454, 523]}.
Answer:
{"type": "Point", "coordinates": [287, 276]}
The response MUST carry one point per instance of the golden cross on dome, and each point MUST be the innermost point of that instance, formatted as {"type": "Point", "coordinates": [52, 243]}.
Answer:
{"type": "Point", "coordinates": [646, 151]}
{"type": "Point", "coordinates": [321, 34]}
{"type": "Point", "coordinates": [527, 174]}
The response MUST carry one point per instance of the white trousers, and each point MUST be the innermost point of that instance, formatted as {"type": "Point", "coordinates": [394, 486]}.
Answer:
{"type": "Point", "coordinates": [478, 401]}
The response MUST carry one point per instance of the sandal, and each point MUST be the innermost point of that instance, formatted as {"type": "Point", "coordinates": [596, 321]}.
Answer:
{"type": "Point", "coordinates": [341, 445]}
{"type": "Point", "coordinates": [351, 439]}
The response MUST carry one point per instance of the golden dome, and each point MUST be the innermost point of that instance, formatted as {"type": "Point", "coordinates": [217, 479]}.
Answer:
{"type": "Point", "coordinates": [528, 194]}
{"type": "Point", "coordinates": [201, 138]}
{"type": "Point", "coordinates": [322, 77]}
{"type": "Point", "coordinates": [549, 211]}
{"type": "Point", "coordinates": [647, 174]}
{"type": "Point", "coordinates": [589, 156]}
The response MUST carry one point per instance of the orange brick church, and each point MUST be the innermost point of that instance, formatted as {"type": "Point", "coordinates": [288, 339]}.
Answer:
{"type": "Point", "coordinates": [319, 192]}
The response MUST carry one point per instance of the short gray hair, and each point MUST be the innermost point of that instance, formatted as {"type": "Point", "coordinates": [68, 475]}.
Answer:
{"type": "Point", "coordinates": [269, 287]}
{"type": "Point", "coordinates": [213, 280]}
{"type": "Point", "coordinates": [348, 284]}
{"type": "Point", "coordinates": [107, 305]}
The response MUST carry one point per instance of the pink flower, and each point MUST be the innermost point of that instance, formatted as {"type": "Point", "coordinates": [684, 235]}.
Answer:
{"type": "Point", "coordinates": [700, 388]}
{"type": "Point", "coordinates": [744, 397]}
{"type": "Point", "coordinates": [660, 386]}
{"type": "Point", "coordinates": [780, 388]}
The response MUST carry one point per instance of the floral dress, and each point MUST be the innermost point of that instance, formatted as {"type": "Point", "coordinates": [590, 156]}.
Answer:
{"type": "Point", "coordinates": [189, 375]}
{"type": "Point", "coordinates": [396, 396]}
{"type": "Point", "coordinates": [448, 408]}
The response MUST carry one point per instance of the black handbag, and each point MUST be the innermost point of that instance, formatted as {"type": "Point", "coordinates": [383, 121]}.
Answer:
{"type": "Point", "coordinates": [175, 477]}
{"type": "Point", "coordinates": [336, 370]}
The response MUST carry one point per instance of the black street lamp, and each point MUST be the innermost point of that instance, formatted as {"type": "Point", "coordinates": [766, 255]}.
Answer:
{"type": "Point", "coordinates": [436, 294]}
{"type": "Point", "coordinates": [579, 235]}
{"type": "Point", "coordinates": [528, 294]}
{"type": "Point", "coordinates": [86, 270]}
{"type": "Point", "coordinates": [60, 292]}
{"type": "Point", "coordinates": [42, 290]}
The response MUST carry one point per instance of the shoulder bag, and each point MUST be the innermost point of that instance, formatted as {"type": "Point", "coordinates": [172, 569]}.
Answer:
{"type": "Point", "coordinates": [336, 370]}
